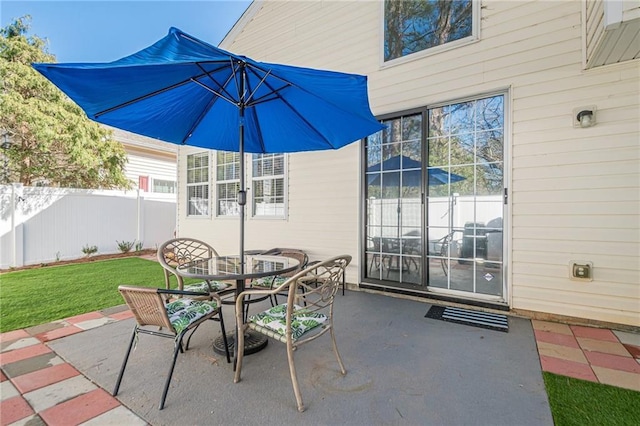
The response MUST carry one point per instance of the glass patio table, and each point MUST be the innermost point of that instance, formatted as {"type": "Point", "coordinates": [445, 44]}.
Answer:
{"type": "Point", "coordinates": [225, 268]}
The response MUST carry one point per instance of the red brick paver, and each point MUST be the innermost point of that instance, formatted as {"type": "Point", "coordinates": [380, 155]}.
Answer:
{"type": "Point", "coordinates": [14, 409]}
{"type": "Point", "coordinates": [614, 362]}
{"type": "Point", "coordinates": [40, 378]}
{"type": "Point", "coordinates": [10, 336]}
{"type": "Point", "coordinates": [122, 315]}
{"type": "Point", "coordinates": [58, 333]}
{"type": "Point", "coordinates": [80, 409]}
{"type": "Point", "coordinates": [23, 353]}
{"type": "Point", "coordinates": [565, 367]}
{"type": "Point", "coordinates": [557, 338]}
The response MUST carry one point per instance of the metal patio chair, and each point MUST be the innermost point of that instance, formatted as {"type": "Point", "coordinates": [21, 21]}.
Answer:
{"type": "Point", "coordinates": [178, 251]}
{"type": "Point", "coordinates": [275, 281]}
{"type": "Point", "coordinates": [307, 314]}
{"type": "Point", "coordinates": [174, 319]}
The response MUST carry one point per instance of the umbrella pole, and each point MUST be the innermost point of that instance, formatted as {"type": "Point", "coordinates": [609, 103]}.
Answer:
{"type": "Point", "coordinates": [242, 193]}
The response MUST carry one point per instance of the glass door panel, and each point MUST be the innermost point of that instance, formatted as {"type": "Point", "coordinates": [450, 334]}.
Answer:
{"type": "Point", "coordinates": [394, 202]}
{"type": "Point", "coordinates": [465, 210]}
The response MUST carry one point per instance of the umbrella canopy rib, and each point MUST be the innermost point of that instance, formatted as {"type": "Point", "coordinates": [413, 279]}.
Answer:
{"type": "Point", "coordinates": [199, 119]}
{"type": "Point", "coordinates": [218, 94]}
{"type": "Point", "coordinates": [295, 112]}
{"type": "Point", "coordinates": [141, 98]}
{"type": "Point", "coordinates": [223, 87]}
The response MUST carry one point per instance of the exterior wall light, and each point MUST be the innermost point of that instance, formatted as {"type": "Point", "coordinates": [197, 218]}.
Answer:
{"type": "Point", "coordinates": [584, 117]}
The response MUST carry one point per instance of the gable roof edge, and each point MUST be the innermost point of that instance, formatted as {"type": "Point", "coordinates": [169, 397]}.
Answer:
{"type": "Point", "coordinates": [244, 19]}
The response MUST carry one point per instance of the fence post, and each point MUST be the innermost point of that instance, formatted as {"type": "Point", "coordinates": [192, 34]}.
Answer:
{"type": "Point", "coordinates": [140, 217]}
{"type": "Point", "coordinates": [12, 207]}
{"type": "Point", "coordinates": [16, 194]}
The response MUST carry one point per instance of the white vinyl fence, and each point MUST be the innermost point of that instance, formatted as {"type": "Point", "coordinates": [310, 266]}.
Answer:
{"type": "Point", "coordinates": [44, 225]}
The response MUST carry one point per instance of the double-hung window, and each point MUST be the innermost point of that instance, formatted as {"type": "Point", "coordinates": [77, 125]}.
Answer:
{"type": "Point", "coordinates": [198, 184]}
{"type": "Point", "coordinates": [268, 183]}
{"type": "Point", "coordinates": [412, 26]}
{"type": "Point", "coordinates": [227, 182]}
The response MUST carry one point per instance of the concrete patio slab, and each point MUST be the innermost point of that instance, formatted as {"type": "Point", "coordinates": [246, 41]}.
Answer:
{"type": "Point", "coordinates": [402, 368]}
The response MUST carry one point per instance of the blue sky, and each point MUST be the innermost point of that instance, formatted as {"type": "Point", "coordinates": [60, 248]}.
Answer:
{"type": "Point", "coordinates": [106, 30]}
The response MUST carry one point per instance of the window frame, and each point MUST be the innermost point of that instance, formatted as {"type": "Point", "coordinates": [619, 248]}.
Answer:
{"type": "Point", "coordinates": [224, 181]}
{"type": "Point", "coordinates": [153, 185]}
{"type": "Point", "coordinates": [284, 177]}
{"type": "Point", "coordinates": [473, 38]}
{"type": "Point", "coordinates": [206, 183]}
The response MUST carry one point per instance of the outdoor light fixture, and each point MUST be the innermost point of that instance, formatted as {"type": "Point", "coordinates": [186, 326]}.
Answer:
{"type": "Point", "coordinates": [584, 117]}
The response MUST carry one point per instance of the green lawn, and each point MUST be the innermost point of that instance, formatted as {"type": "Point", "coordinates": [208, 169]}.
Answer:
{"type": "Point", "coordinates": [582, 403]}
{"type": "Point", "coordinates": [38, 296]}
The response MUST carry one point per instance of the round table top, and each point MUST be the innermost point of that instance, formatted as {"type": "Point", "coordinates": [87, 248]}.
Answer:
{"type": "Point", "coordinates": [228, 267]}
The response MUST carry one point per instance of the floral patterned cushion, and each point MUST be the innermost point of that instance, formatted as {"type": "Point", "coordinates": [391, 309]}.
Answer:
{"type": "Point", "coordinates": [275, 320]}
{"type": "Point", "coordinates": [278, 281]}
{"type": "Point", "coordinates": [183, 312]}
{"type": "Point", "coordinates": [264, 282]}
{"type": "Point", "coordinates": [268, 282]}
{"type": "Point", "coordinates": [203, 287]}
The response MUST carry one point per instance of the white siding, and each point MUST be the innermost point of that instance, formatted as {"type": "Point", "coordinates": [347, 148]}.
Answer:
{"type": "Point", "coordinates": [147, 165]}
{"type": "Point", "coordinates": [575, 192]}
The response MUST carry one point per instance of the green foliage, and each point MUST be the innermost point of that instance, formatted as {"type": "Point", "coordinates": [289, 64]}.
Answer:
{"type": "Point", "coordinates": [89, 250]}
{"type": "Point", "coordinates": [139, 246]}
{"type": "Point", "coordinates": [125, 246]}
{"type": "Point", "coordinates": [53, 141]}
{"type": "Point", "coordinates": [38, 296]}
{"type": "Point", "coordinates": [580, 403]}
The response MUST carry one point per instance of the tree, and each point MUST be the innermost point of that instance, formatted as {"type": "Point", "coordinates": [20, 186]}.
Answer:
{"type": "Point", "coordinates": [53, 142]}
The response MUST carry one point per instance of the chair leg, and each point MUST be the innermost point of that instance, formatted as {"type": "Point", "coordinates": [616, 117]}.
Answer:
{"type": "Point", "coordinates": [126, 359]}
{"type": "Point", "coordinates": [237, 360]}
{"type": "Point", "coordinates": [178, 346]}
{"type": "Point", "coordinates": [335, 350]}
{"type": "Point", "coordinates": [294, 379]}
{"type": "Point", "coordinates": [224, 335]}
{"type": "Point", "coordinates": [193, 330]}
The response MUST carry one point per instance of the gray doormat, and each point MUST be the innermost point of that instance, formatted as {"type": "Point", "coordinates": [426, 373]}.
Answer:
{"type": "Point", "coordinates": [474, 318]}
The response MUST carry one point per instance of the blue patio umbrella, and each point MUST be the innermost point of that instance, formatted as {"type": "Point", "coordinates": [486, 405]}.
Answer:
{"type": "Point", "coordinates": [186, 91]}
{"type": "Point", "coordinates": [411, 171]}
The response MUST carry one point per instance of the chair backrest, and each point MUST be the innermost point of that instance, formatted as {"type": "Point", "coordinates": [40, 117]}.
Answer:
{"type": "Point", "coordinates": [147, 306]}
{"type": "Point", "coordinates": [297, 254]}
{"type": "Point", "coordinates": [178, 251]}
{"type": "Point", "coordinates": [316, 286]}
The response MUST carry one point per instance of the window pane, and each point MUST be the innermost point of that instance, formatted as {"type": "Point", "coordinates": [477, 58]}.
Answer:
{"type": "Point", "coordinates": [414, 25]}
{"type": "Point", "coordinates": [197, 184]}
{"type": "Point", "coordinates": [268, 185]}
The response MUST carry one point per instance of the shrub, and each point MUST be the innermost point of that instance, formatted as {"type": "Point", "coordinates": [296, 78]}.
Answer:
{"type": "Point", "coordinates": [139, 246]}
{"type": "Point", "coordinates": [125, 246]}
{"type": "Point", "coordinates": [89, 250]}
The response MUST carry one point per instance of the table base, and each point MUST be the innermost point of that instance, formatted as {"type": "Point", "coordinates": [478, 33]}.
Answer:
{"type": "Point", "coordinates": [253, 342]}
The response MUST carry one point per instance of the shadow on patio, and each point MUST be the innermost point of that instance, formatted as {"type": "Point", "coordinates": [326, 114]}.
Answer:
{"type": "Point", "coordinates": [402, 368]}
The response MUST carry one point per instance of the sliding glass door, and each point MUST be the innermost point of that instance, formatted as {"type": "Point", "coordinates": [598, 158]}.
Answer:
{"type": "Point", "coordinates": [435, 200]}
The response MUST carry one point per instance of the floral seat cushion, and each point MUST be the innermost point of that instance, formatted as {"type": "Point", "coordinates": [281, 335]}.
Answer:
{"type": "Point", "coordinates": [204, 287]}
{"type": "Point", "coordinates": [183, 312]}
{"type": "Point", "coordinates": [268, 282]}
{"type": "Point", "coordinates": [264, 282]}
{"type": "Point", "coordinates": [275, 320]}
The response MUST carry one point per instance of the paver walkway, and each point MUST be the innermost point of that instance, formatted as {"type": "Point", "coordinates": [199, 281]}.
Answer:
{"type": "Point", "coordinates": [40, 388]}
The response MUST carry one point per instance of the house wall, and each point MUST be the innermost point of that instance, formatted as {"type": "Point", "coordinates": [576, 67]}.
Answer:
{"type": "Point", "coordinates": [575, 193]}
{"type": "Point", "coordinates": [145, 163]}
